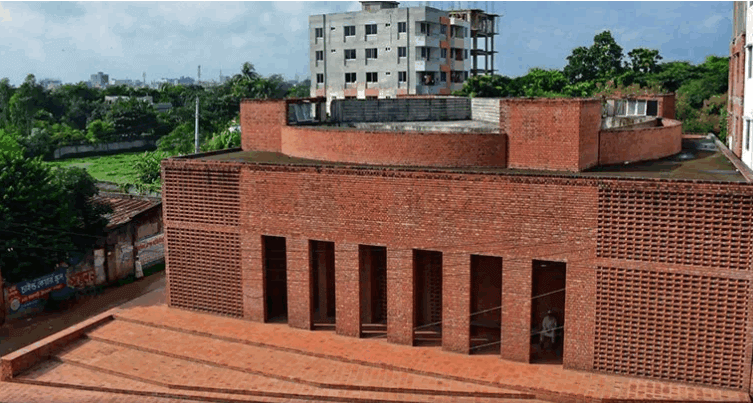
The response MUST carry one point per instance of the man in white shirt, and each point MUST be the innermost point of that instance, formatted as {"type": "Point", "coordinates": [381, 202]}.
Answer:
{"type": "Point", "coordinates": [547, 327]}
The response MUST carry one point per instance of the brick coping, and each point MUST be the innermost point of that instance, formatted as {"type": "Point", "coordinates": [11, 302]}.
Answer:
{"type": "Point", "coordinates": [22, 359]}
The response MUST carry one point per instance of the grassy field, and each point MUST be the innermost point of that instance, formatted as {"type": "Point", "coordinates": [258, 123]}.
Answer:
{"type": "Point", "coordinates": [116, 168]}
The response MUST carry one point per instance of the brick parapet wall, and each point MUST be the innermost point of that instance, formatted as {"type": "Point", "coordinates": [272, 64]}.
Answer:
{"type": "Point", "coordinates": [395, 148]}
{"type": "Point", "coordinates": [621, 145]}
{"type": "Point", "coordinates": [546, 133]}
{"type": "Point", "coordinates": [261, 124]}
{"type": "Point", "coordinates": [485, 109]}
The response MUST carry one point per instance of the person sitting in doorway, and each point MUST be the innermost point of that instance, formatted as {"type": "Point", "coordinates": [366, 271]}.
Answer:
{"type": "Point", "coordinates": [548, 326]}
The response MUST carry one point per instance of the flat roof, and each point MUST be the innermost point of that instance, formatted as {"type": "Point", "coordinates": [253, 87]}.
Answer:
{"type": "Point", "coordinates": [699, 160]}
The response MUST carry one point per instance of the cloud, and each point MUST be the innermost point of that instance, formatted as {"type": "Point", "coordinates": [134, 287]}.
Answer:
{"type": "Point", "coordinates": [5, 15]}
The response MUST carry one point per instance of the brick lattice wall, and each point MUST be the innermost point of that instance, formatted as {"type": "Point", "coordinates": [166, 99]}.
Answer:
{"type": "Point", "coordinates": [703, 226]}
{"type": "Point", "coordinates": [202, 216]}
{"type": "Point", "coordinates": [672, 326]}
{"type": "Point", "coordinates": [401, 110]}
{"type": "Point", "coordinates": [485, 109]}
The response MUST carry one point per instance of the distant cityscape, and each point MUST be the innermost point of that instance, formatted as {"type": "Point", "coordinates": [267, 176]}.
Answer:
{"type": "Point", "coordinates": [103, 80]}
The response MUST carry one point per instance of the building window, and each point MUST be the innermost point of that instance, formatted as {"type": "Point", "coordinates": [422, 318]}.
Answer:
{"type": "Point", "coordinates": [425, 53]}
{"type": "Point", "coordinates": [425, 28]}
{"type": "Point", "coordinates": [371, 53]}
{"type": "Point", "coordinates": [350, 77]}
{"type": "Point", "coordinates": [402, 76]}
{"type": "Point", "coordinates": [319, 55]}
{"type": "Point", "coordinates": [320, 78]}
{"type": "Point", "coordinates": [372, 77]}
{"type": "Point", "coordinates": [402, 27]}
{"type": "Point", "coordinates": [350, 30]}
{"type": "Point", "coordinates": [466, 75]}
{"type": "Point", "coordinates": [443, 76]}
{"type": "Point", "coordinates": [371, 29]}
{"type": "Point", "coordinates": [747, 134]}
{"type": "Point", "coordinates": [350, 54]}
{"type": "Point", "coordinates": [444, 53]}
{"type": "Point", "coordinates": [443, 29]}
{"type": "Point", "coordinates": [319, 32]}
{"type": "Point", "coordinates": [466, 53]}
{"type": "Point", "coordinates": [334, 50]}
{"type": "Point", "coordinates": [402, 51]}
{"type": "Point", "coordinates": [749, 57]}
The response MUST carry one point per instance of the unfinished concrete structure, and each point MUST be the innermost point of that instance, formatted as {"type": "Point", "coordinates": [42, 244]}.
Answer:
{"type": "Point", "coordinates": [384, 51]}
{"type": "Point", "coordinates": [465, 233]}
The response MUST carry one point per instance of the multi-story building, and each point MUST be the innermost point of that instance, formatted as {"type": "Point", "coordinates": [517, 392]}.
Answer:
{"type": "Point", "coordinates": [744, 142]}
{"type": "Point", "coordinates": [99, 80]}
{"type": "Point", "coordinates": [737, 79]}
{"type": "Point", "coordinates": [384, 51]}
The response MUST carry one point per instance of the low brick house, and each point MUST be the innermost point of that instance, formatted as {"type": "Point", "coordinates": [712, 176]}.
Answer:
{"type": "Point", "coordinates": [467, 233]}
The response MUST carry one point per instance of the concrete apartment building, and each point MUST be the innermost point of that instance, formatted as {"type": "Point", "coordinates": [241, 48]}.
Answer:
{"type": "Point", "coordinates": [384, 51]}
{"type": "Point", "coordinates": [738, 73]}
{"type": "Point", "coordinates": [99, 80]}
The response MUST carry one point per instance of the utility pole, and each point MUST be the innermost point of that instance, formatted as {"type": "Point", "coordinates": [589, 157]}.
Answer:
{"type": "Point", "coordinates": [196, 131]}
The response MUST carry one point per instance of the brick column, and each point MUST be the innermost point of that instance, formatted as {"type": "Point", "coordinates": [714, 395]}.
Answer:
{"type": "Point", "coordinates": [456, 302]}
{"type": "Point", "coordinates": [401, 317]}
{"type": "Point", "coordinates": [252, 276]}
{"type": "Point", "coordinates": [300, 296]}
{"type": "Point", "coordinates": [516, 309]}
{"type": "Point", "coordinates": [348, 291]}
{"type": "Point", "coordinates": [580, 316]}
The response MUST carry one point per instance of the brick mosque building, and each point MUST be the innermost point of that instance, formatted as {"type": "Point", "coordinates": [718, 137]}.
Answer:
{"type": "Point", "coordinates": [463, 222]}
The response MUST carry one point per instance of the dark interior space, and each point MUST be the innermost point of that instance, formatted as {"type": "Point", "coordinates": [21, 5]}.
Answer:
{"type": "Point", "coordinates": [373, 282]}
{"type": "Point", "coordinates": [548, 295]}
{"type": "Point", "coordinates": [275, 279]}
{"type": "Point", "coordinates": [486, 301]}
{"type": "Point", "coordinates": [322, 261]}
{"type": "Point", "coordinates": [427, 266]}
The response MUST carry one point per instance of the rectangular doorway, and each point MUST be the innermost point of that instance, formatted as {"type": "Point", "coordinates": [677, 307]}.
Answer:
{"type": "Point", "coordinates": [548, 311]}
{"type": "Point", "coordinates": [322, 261]}
{"type": "Point", "coordinates": [275, 279]}
{"type": "Point", "coordinates": [373, 283]}
{"type": "Point", "coordinates": [427, 270]}
{"type": "Point", "coordinates": [486, 304]}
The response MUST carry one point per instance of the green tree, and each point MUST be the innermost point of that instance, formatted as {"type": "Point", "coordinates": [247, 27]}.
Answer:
{"type": "Point", "coordinates": [148, 168]}
{"type": "Point", "coordinates": [132, 117]}
{"type": "Point", "coordinates": [540, 82]}
{"type": "Point", "coordinates": [601, 61]}
{"type": "Point", "coordinates": [300, 90]}
{"type": "Point", "coordinates": [99, 131]}
{"type": "Point", "coordinates": [44, 216]}
{"type": "Point", "coordinates": [25, 103]}
{"type": "Point", "coordinates": [6, 92]}
{"type": "Point", "coordinates": [644, 60]}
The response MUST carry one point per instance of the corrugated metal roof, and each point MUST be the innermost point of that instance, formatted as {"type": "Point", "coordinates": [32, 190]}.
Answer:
{"type": "Point", "coordinates": [125, 207]}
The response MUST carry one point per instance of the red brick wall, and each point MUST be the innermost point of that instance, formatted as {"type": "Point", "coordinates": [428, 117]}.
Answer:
{"type": "Point", "coordinates": [546, 133]}
{"type": "Point", "coordinates": [395, 148]}
{"type": "Point", "coordinates": [618, 146]}
{"type": "Point", "coordinates": [587, 223]}
{"type": "Point", "coordinates": [261, 124]}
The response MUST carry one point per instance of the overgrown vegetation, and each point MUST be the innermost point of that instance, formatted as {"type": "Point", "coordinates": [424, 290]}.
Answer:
{"type": "Point", "coordinates": [602, 70]}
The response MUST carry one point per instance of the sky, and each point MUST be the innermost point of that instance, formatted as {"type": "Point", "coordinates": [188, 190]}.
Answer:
{"type": "Point", "coordinates": [69, 41]}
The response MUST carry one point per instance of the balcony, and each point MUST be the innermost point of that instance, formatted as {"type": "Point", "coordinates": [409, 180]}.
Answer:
{"type": "Point", "coordinates": [427, 65]}
{"type": "Point", "coordinates": [427, 41]}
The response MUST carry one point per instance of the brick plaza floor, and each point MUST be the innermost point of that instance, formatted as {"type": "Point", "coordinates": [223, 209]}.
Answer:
{"type": "Point", "coordinates": [156, 354]}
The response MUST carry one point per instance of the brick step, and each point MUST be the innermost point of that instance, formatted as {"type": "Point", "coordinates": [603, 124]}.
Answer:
{"type": "Point", "coordinates": [167, 375]}
{"type": "Point", "coordinates": [59, 375]}
{"type": "Point", "coordinates": [265, 362]}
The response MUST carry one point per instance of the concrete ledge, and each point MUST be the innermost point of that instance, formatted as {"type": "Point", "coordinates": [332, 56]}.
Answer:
{"type": "Point", "coordinates": [25, 358]}
{"type": "Point", "coordinates": [744, 170]}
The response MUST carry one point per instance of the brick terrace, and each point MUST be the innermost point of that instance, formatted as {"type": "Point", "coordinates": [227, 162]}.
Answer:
{"type": "Point", "coordinates": [157, 353]}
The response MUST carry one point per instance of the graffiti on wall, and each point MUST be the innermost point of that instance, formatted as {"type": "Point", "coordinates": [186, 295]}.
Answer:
{"type": "Point", "coordinates": [30, 295]}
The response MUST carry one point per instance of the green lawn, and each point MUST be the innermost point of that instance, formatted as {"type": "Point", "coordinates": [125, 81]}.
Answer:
{"type": "Point", "coordinates": [117, 168]}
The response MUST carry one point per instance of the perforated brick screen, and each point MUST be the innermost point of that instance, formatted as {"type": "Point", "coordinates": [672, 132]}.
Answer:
{"type": "Point", "coordinates": [205, 270]}
{"type": "Point", "coordinates": [202, 196]}
{"type": "Point", "coordinates": [680, 227]}
{"type": "Point", "coordinates": [671, 325]}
